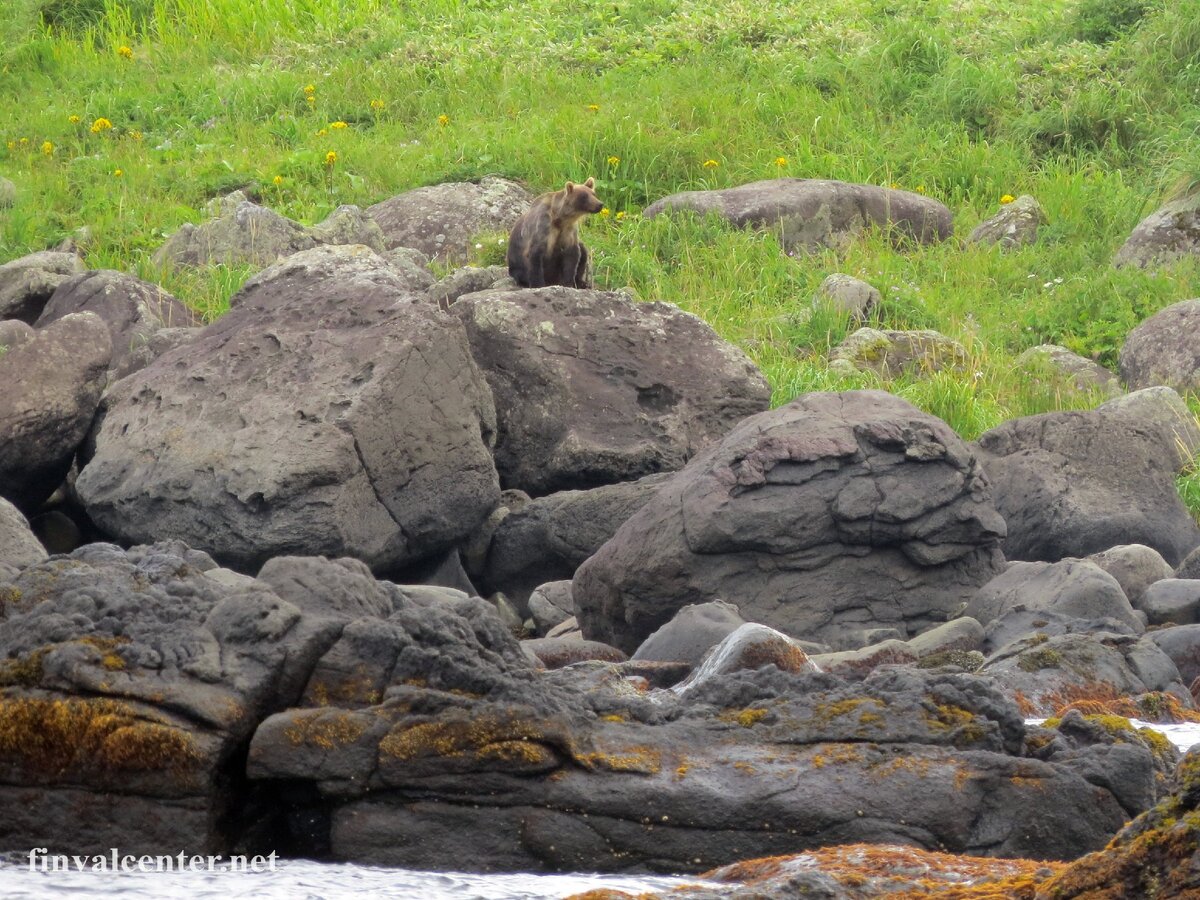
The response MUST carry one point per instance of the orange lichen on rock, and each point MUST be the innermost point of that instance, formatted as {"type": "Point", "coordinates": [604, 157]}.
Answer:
{"type": "Point", "coordinates": [1156, 706]}
{"type": "Point", "coordinates": [513, 741]}
{"type": "Point", "coordinates": [50, 737]}
{"type": "Point", "coordinates": [744, 717]}
{"type": "Point", "coordinates": [640, 760]}
{"type": "Point", "coordinates": [328, 731]}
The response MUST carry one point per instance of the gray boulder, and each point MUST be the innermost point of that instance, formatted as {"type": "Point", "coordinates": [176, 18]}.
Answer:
{"type": "Point", "coordinates": [1164, 350]}
{"type": "Point", "coordinates": [26, 284]}
{"type": "Point", "coordinates": [857, 664]}
{"type": "Point", "coordinates": [1172, 601]}
{"type": "Point", "coordinates": [888, 353]}
{"type": "Point", "coordinates": [963, 634]}
{"type": "Point", "coordinates": [1015, 225]}
{"type": "Point", "coordinates": [691, 633]}
{"type": "Point", "coordinates": [592, 388]}
{"type": "Point", "coordinates": [1190, 567]}
{"type": "Point", "coordinates": [13, 332]}
{"type": "Point", "coordinates": [547, 539]}
{"type": "Point", "coordinates": [52, 384]}
{"type": "Point", "coordinates": [1019, 623]}
{"type": "Point", "coordinates": [442, 220]}
{"type": "Point", "coordinates": [19, 547]}
{"type": "Point", "coordinates": [822, 518]}
{"type": "Point", "coordinates": [469, 280]}
{"type": "Point", "coordinates": [809, 214]}
{"type": "Point", "coordinates": [326, 414]}
{"type": "Point", "coordinates": [1182, 644]}
{"type": "Point", "coordinates": [8, 193]}
{"type": "Point", "coordinates": [550, 605]}
{"type": "Point", "coordinates": [849, 295]}
{"type": "Point", "coordinates": [349, 225]}
{"type": "Point", "coordinates": [1059, 367]}
{"type": "Point", "coordinates": [134, 311]}
{"type": "Point", "coordinates": [1135, 566]}
{"type": "Point", "coordinates": [1073, 483]}
{"type": "Point", "coordinates": [1169, 234]}
{"type": "Point", "coordinates": [748, 647]}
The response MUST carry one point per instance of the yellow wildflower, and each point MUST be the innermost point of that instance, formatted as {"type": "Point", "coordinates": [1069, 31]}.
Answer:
{"type": "Point", "coordinates": [620, 215]}
{"type": "Point", "coordinates": [24, 140]}
{"type": "Point", "coordinates": [894, 186]}
{"type": "Point", "coordinates": [594, 107]}
{"type": "Point", "coordinates": [311, 100]}
{"type": "Point", "coordinates": [118, 173]}
{"type": "Point", "coordinates": [711, 164]}
{"type": "Point", "coordinates": [781, 161]}
{"type": "Point", "coordinates": [135, 135]}
{"type": "Point", "coordinates": [1007, 198]}
{"type": "Point", "coordinates": [48, 148]}
{"type": "Point", "coordinates": [613, 160]}
{"type": "Point", "coordinates": [74, 120]}
{"type": "Point", "coordinates": [920, 188]}
{"type": "Point", "coordinates": [12, 145]}
{"type": "Point", "coordinates": [322, 132]}
{"type": "Point", "coordinates": [309, 89]}
{"type": "Point", "coordinates": [278, 179]}
{"type": "Point", "coordinates": [604, 213]}
{"type": "Point", "coordinates": [330, 158]}
{"type": "Point", "coordinates": [338, 125]}
{"type": "Point", "coordinates": [125, 52]}
{"type": "Point", "coordinates": [377, 105]}
{"type": "Point", "coordinates": [443, 120]}
{"type": "Point", "coordinates": [101, 124]}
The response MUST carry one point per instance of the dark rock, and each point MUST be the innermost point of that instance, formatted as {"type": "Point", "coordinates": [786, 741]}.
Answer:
{"type": "Point", "coordinates": [27, 283]}
{"type": "Point", "coordinates": [550, 604]}
{"type": "Point", "coordinates": [833, 514]}
{"type": "Point", "coordinates": [1073, 483]}
{"type": "Point", "coordinates": [19, 547]}
{"type": "Point", "coordinates": [1059, 368]}
{"type": "Point", "coordinates": [1163, 350]}
{"type": "Point", "coordinates": [1170, 234]}
{"type": "Point", "coordinates": [555, 653]}
{"type": "Point", "coordinates": [325, 413]}
{"type": "Point", "coordinates": [1015, 225]}
{"type": "Point", "coordinates": [1190, 567]}
{"type": "Point", "coordinates": [547, 539]}
{"type": "Point", "coordinates": [691, 633]}
{"type": "Point", "coordinates": [1182, 645]}
{"type": "Point", "coordinates": [57, 531]}
{"type": "Point", "coordinates": [1135, 566]}
{"type": "Point", "coordinates": [809, 214]}
{"type": "Point", "coordinates": [592, 388]}
{"type": "Point", "coordinates": [1074, 588]}
{"type": "Point", "coordinates": [52, 384]}
{"type": "Point", "coordinates": [890, 353]}
{"type": "Point", "coordinates": [1172, 601]}
{"type": "Point", "coordinates": [134, 310]}
{"type": "Point", "coordinates": [442, 220]}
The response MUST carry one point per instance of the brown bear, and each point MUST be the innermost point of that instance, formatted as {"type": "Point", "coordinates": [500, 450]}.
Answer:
{"type": "Point", "coordinates": [544, 246]}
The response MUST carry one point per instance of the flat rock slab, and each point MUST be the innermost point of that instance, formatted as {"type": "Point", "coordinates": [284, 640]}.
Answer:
{"type": "Point", "coordinates": [592, 388]}
{"type": "Point", "coordinates": [326, 413]}
{"type": "Point", "coordinates": [832, 515]}
{"type": "Point", "coordinates": [442, 220]}
{"type": "Point", "coordinates": [809, 214]}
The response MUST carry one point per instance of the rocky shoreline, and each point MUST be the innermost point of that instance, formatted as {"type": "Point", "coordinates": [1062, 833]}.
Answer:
{"type": "Point", "coordinates": [452, 575]}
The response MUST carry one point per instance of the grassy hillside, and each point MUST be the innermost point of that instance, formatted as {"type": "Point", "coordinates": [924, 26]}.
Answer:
{"type": "Point", "coordinates": [1090, 105]}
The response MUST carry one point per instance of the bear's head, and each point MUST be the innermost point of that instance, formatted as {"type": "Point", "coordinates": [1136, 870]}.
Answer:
{"type": "Point", "coordinates": [582, 197]}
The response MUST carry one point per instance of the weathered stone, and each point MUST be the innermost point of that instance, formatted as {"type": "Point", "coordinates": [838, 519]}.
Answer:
{"type": "Point", "coordinates": [827, 516]}
{"type": "Point", "coordinates": [890, 353]}
{"type": "Point", "coordinates": [18, 546]}
{"type": "Point", "coordinates": [26, 284]}
{"type": "Point", "coordinates": [1068, 369]}
{"type": "Point", "coordinates": [550, 604]}
{"type": "Point", "coordinates": [13, 332]}
{"type": "Point", "coordinates": [1182, 644]}
{"type": "Point", "coordinates": [1164, 350]}
{"type": "Point", "coordinates": [1169, 234]}
{"type": "Point", "coordinates": [442, 220]}
{"type": "Point", "coordinates": [1015, 225]}
{"type": "Point", "coordinates": [691, 633]}
{"type": "Point", "coordinates": [858, 664]}
{"type": "Point", "coordinates": [963, 633]}
{"type": "Point", "coordinates": [554, 653]}
{"type": "Point", "coordinates": [349, 225]}
{"type": "Point", "coordinates": [849, 295]}
{"type": "Point", "coordinates": [134, 310]}
{"type": "Point", "coordinates": [1135, 566]}
{"type": "Point", "coordinates": [809, 214]}
{"type": "Point", "coordinates": [1073, 483]}
{"type": "Point", "coordinates": [327, 413]}
{"type": "Point", "coordinates": [467, 280]}
{"type": "Point", "coordinates": [592, 388]}
{"type": "Point", "coordinates": [1172, 601]}
{"type": "Point", "coordinates": [52, 384]}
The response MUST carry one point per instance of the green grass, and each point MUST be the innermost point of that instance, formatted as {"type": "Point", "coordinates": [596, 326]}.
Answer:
{"type": "Point", "coordinates": [1089, 105]}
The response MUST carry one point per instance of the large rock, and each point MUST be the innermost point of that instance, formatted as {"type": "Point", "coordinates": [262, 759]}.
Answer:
{"type": "Point", "coordinates": [831, 515]}
{"type": "Point", "coordinates": [1135, 566]}
{"type": "Point", "coordinates": [134, 310]}
{"type": "Point", "coordinates": [1172, 601]}
{"type": "Point", "coordinates": [592, 388]}
{"type": "Point", "coordinates": [848, 295]}
{"type": "Point", "coordinates": [18, 546]}
{"type": "Point", "coordinates": [1165, 349]}
{"type": "Point", "coordinates": [889, 353]}
{"type": "Point", "coordinates": [809, 214]}
{"type": "Point", "coordinates": [1015, 225]}
{"type": "Point", "coordinates": [52, 383]}
{"type": "Point", "coordinates": [27, 283]}
{"type": "Point", "coordinates": [1058, 367]}
{"type": "Point", "coordinates": [241, 232]}
{"type": "Point", "coordinates": [442, 220]}
{"type": "Point", "coordinates": [691, 633]}
{"type": "Point", "coordinates": [326, 413]}
{"type": "Point", "coordinates": [1171, 233]}
{"type": "Point", "coordinates": [1182, 645]}
{"type": "Point", "coordinates": [1074, 483]}
{"type": "Point", "coordinates": [547, 539]}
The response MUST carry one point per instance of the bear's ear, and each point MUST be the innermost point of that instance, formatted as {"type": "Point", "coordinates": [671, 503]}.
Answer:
{"type": "Point", "coordinates": [590, 183]}
{"type": "Point", "coordinates": [570, 186]}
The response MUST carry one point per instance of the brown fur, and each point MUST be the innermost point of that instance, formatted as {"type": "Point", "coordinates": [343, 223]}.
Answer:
{"type": "Point", "coordinates": [544, 246]}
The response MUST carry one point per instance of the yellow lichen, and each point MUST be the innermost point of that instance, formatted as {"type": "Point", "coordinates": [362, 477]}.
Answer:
{"type": "Point", "coordinates": [325, 730]}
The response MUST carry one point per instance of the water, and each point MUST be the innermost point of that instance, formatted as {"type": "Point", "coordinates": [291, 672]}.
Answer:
{"type": "Point", "coordinates": [307, 880]}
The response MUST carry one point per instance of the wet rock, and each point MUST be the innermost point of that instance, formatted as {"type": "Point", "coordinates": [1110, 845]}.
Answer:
{"type": "Point", "coordinates": [442, 220]}
{"type": "Point", "coordinates": [18, 546]}
{"type": "Point", "coordinates": [27, 283]}
{"type": "Point", "coordinates": [327, 413]}
{"type": "Point", "coordinates": [1169, 234]}
{"type": "Point", "coordinates": [691, 633]}
{"type": "Point", "coordinates": [890, 353]}
{"type": "Point", "coordinates": [830, 515]}
{"type": "Point", "coordinates": [1015, 225]}
{"type": "Point", "coordinates": [592, 388]}
{"type": "Point", "coordinates": [1162, 350]}
{"type": "Point", "coordinates": [809, 214]}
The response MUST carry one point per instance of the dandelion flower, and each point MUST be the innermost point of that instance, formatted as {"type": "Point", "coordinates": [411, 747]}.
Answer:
{"type": "Point", "coordinates": [117, 173]}
{"type": "Point", "coordinates": [711, 164]}
{"type": "Point", "coordinates": [620, 215]}
{"type": "Point", "coordinates": [330, 158]}
{"type": "Point", "coordinates": [101, 124]}
{"type": "Point", "coordinates": [74, 120]}
{"type": "Point", "coordinates": [278, 180]}
{"type": "Point", "coordinates": [338, 125]}
{"type": "Point", "coordinates": [604, 213]}
{"type": "Point", "coordinates": [48, 148]}
{"type": "Point", "coordinates": [594, 107]}
{"type": "Point", "coordinates": [443, 120]}
{"type": "Point", "coordinates": [781, 161]}
{"type": "Point", "coordinates": [377, 105]}
{"type": "Point", "coordinates": [1007, 198]}
{"type": "Point", "coordinates": [613, 160]}
{"type": "Point", "coordinates": [125, 52]}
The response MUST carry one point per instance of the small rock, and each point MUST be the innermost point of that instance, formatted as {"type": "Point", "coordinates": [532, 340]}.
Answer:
{"type": "Point", "coordinates": [1171, 233]}
{"type": "Point", "coordinates": [849, 295]}
{"type": "Point", "coordinates": [18, 545]}
{"type": "Point", "coordinates": [1172, 601]}
{"type": "Point", "coordinates": [1067, 368]}
{"type": "Point", "coordinates": [691, 633]}
{"type": "Point", "coordinates": [550, 605]}
{"type": "Point", "coordinates": [889, 353]}
{"type": "Point", "coordinates": [555, 653]}
{"type": "Point", "coordinates": [1015, 225]}
{"type": "Point", "coordinates": [8, 193]}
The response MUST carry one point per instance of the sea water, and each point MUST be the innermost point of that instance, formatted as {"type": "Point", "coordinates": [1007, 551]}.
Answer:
{"type": "Point", "coordinates": [306, 880]}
